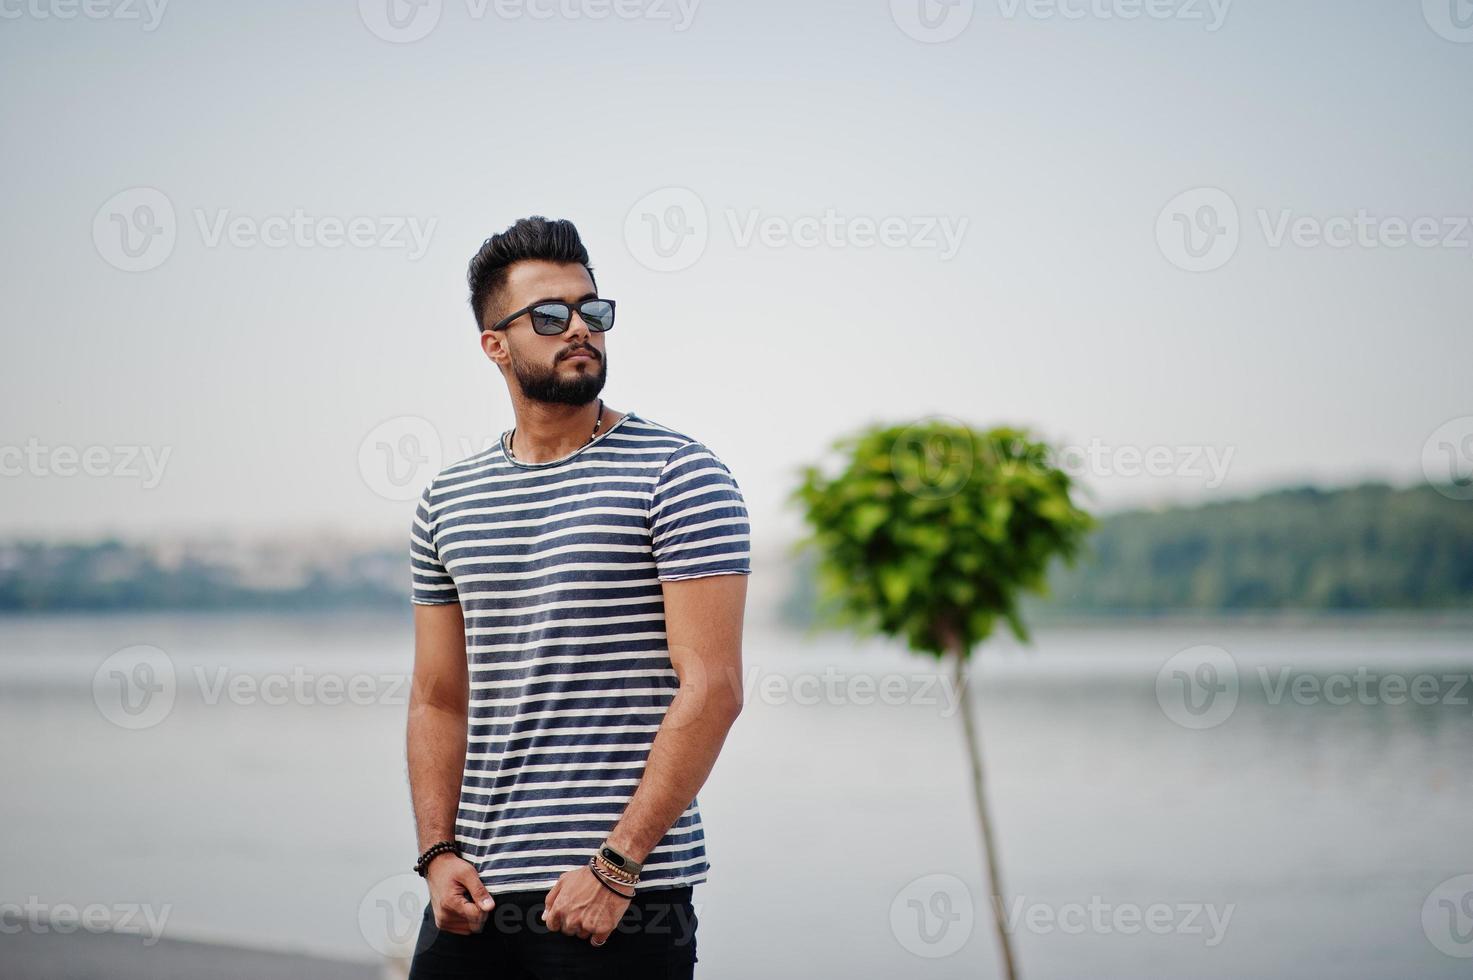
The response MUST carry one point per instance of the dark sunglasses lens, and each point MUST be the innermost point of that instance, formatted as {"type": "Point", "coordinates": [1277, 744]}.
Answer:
{"type": "Point", "coordinates": [550, 318]}
{"type": "Point", "coordinates": [598, 314]}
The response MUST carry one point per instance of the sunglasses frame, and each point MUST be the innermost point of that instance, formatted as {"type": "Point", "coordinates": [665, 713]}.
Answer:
{"type": "Point", "coordinates": [572, 308]}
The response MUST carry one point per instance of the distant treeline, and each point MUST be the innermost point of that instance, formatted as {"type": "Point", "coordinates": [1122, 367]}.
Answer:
{"type": "Point", "coordinates": [118, 576]}
{"type": "Point", "coordinates": [1369, 547]}
{"type": "Point", "coordinates": [1365, 548]}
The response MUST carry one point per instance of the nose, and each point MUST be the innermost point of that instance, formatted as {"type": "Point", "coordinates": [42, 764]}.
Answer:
{"type": "Point", "coordinates": [577, 332]}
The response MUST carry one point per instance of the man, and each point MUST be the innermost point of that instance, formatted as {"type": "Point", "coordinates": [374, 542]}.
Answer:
{"type": "Point", "coordinates": [579, 591]}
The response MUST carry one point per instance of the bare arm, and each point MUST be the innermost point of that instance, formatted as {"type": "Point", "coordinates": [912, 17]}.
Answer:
{"type": "Point", "coordinates": [436, 750]}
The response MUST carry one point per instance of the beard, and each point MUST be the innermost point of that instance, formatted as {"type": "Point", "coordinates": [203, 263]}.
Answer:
{"type": "Point", "coordinates": [547, 385]}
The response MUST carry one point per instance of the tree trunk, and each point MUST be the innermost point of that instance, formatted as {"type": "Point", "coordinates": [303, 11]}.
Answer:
{"type": "Point", "coordinates": [989, 850]}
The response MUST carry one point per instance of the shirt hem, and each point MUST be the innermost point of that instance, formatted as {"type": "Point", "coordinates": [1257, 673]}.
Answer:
{"type": "Point", "coordinates": [545, 884]}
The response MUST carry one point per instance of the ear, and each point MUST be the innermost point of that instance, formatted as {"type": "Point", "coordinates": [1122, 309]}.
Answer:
{"type": "Point", "coordinates": [493, 343]}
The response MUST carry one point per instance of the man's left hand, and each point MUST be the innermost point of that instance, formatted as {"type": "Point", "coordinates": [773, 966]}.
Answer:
{"type": "Point", "coordinates": [580, 906]}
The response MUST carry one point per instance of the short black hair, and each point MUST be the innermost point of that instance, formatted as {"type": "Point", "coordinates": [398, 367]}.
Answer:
{"type": "Point", "coordinates": [530, 238]}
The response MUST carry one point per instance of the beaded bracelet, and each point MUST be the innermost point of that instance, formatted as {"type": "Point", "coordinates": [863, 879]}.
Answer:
{"type": "Point", "coordinates": [422, 866]}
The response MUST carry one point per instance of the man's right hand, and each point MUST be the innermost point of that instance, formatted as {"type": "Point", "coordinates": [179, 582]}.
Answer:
{"type": "Point", "coordinates": [459, 900]}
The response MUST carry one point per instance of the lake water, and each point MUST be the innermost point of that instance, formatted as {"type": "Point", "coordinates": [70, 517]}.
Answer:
{"type": "Point", "coordinates": [1302, 808]}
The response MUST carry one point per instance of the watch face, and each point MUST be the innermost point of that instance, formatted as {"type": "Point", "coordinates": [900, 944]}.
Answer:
{"type": "Point", "coordinates": [616, 859]}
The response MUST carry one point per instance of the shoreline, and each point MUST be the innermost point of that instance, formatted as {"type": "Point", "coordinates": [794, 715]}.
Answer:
{"type": "Point", "coordinates": [84, 955]}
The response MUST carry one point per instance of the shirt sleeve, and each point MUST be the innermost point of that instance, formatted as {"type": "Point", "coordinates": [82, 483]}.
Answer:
{"type": "Point", "coordinates": [698, 518]}
{"type": "Point", "coordinates": [432, 585]}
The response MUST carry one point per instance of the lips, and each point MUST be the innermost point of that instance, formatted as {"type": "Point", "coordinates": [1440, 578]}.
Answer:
{"type": "Point", "coordinates": [581, 353]}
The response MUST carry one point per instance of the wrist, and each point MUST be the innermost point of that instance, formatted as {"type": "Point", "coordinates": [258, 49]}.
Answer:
{"type": "Point", "coordinates": [621, 855]}
{"type": "Point", "coordinates": [609, 883]}
{"type": "Point", "coordinates": [430, 864]}
{"type": "Point", "coordinates": [434, 852]}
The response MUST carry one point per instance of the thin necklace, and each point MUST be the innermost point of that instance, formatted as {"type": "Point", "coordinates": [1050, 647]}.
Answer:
{"type": "Point", "coordinates": [511, 437]}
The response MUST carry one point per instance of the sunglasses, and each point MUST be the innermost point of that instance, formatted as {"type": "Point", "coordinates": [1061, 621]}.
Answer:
{"type": "Point", "coordinates": [552, 318]}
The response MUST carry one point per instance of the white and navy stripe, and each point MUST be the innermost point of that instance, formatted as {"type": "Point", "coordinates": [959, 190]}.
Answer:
{"type": "Point", "coordinates": [557, 567]}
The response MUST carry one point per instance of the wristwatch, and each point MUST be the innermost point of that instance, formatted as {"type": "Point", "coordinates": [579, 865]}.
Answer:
{"type": "Point", "coordinates": [618, 860]}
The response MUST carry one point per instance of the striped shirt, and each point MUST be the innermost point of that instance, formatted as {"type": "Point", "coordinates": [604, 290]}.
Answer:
{"type": "Point", "coordinates": [557, 568]}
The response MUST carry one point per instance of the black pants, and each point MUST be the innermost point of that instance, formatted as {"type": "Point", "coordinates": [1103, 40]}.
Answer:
{"type": "Point", "coordinates": [656, 940]}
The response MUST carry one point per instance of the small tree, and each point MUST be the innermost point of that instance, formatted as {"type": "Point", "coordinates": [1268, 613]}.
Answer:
{"type": "Point", "coordinates": [931, 534]}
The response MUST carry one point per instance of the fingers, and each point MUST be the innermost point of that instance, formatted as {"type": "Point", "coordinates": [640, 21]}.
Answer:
{"type": "Point", "coordinates": [459, 916]}
{"type": "Point", "coordinates": [454, 926]}
{"type": "Point", "coordinates": [471, 882]}
{"type": "Point", "coordinates": [572, 914]}
{"type": "Point", "coordinates": [449, 918]}
{"type": "Point", "coordinates": [461, 901]}
{"type": "Point", "coordinates": [551, 915]}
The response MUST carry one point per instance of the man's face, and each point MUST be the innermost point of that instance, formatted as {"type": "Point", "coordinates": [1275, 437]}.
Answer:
{"type": "Point", "coordinates": [543, 366]}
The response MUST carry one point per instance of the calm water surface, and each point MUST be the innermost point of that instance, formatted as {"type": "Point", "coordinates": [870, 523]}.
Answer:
{"type": "Point", "coordinates": [1300, 831]}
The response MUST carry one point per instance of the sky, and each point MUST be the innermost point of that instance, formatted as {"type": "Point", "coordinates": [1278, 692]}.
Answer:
{"type": "Point", "coordinates": [1206, 248]}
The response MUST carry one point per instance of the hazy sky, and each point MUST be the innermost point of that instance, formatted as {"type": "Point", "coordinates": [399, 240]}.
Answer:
{"type": "Point", "coordinates": [236, 235]}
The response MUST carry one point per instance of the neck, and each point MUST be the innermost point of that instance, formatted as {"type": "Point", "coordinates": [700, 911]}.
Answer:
{"type": "Point", "coordinates": [546, 432]}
